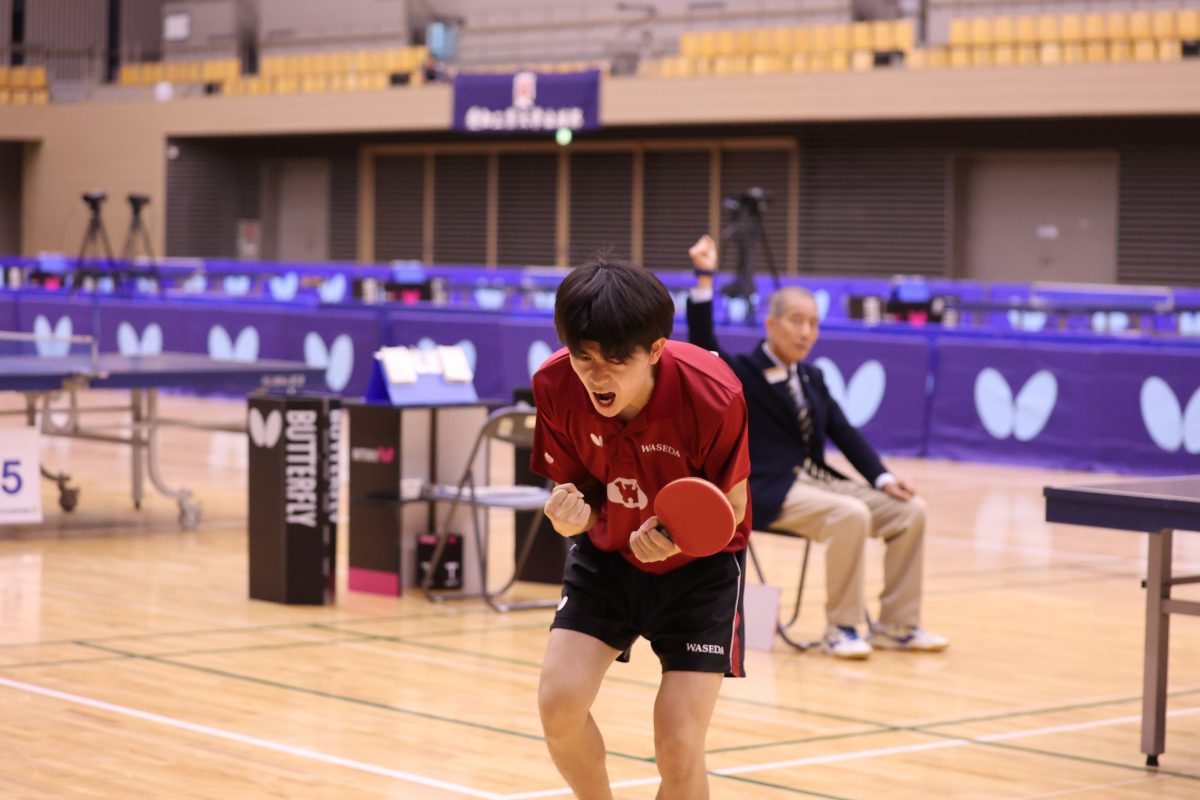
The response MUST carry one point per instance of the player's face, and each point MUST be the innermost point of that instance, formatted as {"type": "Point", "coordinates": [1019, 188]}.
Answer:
{"type": "Point", "coordinates": [617, 388]}
{"type": "Point", "coordinates": [794, 331]}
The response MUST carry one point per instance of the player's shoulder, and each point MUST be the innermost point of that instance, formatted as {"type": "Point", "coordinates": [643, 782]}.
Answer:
{"type": "Point", "coordinates": [550, 378]}
{"type": "Point", "coordinates": [704, 372]}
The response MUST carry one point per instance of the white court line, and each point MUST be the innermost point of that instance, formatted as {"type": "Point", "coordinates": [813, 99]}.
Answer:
{"type": "Point", "coordinates": [266, 744]}
{"type": "Point", "coordinates": [857, 755]}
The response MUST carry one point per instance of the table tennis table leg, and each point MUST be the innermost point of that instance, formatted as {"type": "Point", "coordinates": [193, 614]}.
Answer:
{"type": "Point", "coordinates": [1158, 633]}
{"type": "Point", "coordinates": [137, 444]}
{"type": "Point", "coordinates": [189, 509]}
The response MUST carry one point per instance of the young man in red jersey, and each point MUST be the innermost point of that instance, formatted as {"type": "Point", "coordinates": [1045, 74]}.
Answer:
{"type": "Point", "coordinates": [622, 412]}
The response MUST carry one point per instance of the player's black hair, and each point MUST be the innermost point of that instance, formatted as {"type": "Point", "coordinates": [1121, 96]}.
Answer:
{"type": "Point", "coordinates": [616, 304]}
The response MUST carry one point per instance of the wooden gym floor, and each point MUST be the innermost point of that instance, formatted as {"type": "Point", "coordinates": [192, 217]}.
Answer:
{"type": "Point", "coordinates": [132, 664]}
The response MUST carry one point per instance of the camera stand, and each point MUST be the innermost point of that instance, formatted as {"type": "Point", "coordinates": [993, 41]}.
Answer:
{"type": "Point", "coordinates": [745, 230]}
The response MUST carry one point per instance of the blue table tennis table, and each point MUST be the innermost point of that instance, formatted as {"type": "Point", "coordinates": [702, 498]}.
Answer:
{"type": "Point", "coordinates": [45, 379]}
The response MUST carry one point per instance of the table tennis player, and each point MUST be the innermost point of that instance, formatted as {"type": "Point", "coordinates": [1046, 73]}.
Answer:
{"type": "Point", "coordinates": [622, 412]}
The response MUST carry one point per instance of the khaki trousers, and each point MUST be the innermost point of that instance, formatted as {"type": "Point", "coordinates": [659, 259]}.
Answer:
{"type": "Point", "coordinates": [843, 514]}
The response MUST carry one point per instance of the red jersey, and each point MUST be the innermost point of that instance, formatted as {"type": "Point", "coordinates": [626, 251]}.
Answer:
{"type": "Point", "coordinates": [693, 425]}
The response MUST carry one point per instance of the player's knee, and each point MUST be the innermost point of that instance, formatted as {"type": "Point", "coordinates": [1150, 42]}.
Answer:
{"type": "Point", "coordinates": [678, 754]}
{"type": "Point", "coordinates": [562, 709]}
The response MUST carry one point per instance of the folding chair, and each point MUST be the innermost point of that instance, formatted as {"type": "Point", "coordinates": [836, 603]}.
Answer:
{"type": "Point", "coordinates": [513, 425]}
{"type": "Point", "coordinates": [781, 627]}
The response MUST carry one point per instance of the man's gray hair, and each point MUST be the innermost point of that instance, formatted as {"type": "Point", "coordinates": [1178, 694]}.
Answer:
{"type": "Point", "coordinates": [779, 298]}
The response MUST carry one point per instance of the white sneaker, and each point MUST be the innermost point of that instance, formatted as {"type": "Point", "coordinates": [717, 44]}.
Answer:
{"type": "Point", "coordinates": [907, 637]}
{"type": "Point", "coordinates": [843, 641]}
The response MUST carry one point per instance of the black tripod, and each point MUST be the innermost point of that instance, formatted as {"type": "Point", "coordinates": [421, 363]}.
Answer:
{"type": "Point", "coordinates": [139, 237]}
{"type": "Point", "coordinates": [745, 229]}
{"type": "Point", "coordinates": [94, 245]}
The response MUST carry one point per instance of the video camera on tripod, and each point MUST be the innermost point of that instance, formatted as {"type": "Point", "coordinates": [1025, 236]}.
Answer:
{"type": "Point", "coordinates": [745, 229]}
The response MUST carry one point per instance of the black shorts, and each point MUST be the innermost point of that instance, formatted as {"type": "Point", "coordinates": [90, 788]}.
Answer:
{"type": "Point", "coordinates": [692, 616]}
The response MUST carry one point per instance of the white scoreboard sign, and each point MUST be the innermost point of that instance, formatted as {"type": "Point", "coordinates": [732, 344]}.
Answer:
{"type": "Point", "coordinates": [20, 474]}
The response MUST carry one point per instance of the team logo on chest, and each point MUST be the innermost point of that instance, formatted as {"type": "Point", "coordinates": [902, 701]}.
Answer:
{"type": "Point", "coordinates": [626, 492]}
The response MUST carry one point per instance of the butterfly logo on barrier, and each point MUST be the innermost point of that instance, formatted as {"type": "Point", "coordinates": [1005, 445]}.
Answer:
{"type": "Point", "coordinates": [333, 290]}
{"type": "Point", "coordinates": [222, 348]}
{"type": "Point", "coordinates": [150, 343]}
{"type": "Point", "coordinates": [264, 432]}
{"type": "Point", "coordinates": [861, 398]}
{"type": "Point", "coordinates": [1022, 417]}
{"type": "Point", "coordinates": [284, 287]}
{"type": "Point", "coordinates": [60, 345]}
{"type": "Point", "coordinates": [737, 309]}
{"type": "Point", "coordinates": [1028, 321]}
{"type": "Point", "coordinates": [236, 285]}
{"type": "Point", "coordinates": [1170, 426]}
{"type": "Point", "coordinates": [539, 351]}
{"type": "Point", "coordinates": [821, 296]}
{"type": "Point", "coordinates": [489, 298]}
{"type": "Point", "coordinates": [1189, 323]}
{"type": "Point", "coordinates": [1110, 321]}
{"type": "Point", "coordinates": [336, 359]}
{"type": "Point", "coordinates": [195, 284]}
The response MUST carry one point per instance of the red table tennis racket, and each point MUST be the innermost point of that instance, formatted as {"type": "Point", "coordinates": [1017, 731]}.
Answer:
{"type": "Point", "coordinates": [696, 515]}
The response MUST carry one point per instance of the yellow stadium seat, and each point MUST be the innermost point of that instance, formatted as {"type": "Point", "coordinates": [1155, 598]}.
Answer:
{"type": "Point", "coordinates": [883, 36]}
{"type": "Point", "coordinates": [762, 40]}
{"type": "Point", "coordinates": [905, 35]}
{"type": "Point", "coordinates": [841, 39]}
{"type": "Point", "coordinates": [960, 32]}
{"type": "Point", "coordinates": [981, 31]}
{"type": "Point", "coordinates": [802, 39]}
{"type": "Point", "coordinates": [153, 73]}
{"type": "Point", "coordinates": [20, 97]}
{"type": "Point", "coordinates": [1050, 54]}
{"type": "Point", "coordinates": [18, 77]}
{"type": "Point", "coordinates": [1096, 53]}
{"type": "Point", "coordinates": [287, 84]}
{"type": "Point", "coordinates": [1004, 30]}
{"type": "Point", "coordinates": [821, 40]}
{"type": "Point", "coordinates": [1116, 26]}
{"type": "Point", "coordinates": [1004, 55]}
{"type": "Point", "coordinates": [1119, 52]}
{"type": "Point", "coordinates": [916, 60]}
{"type": "Point", "coordinates": [765, 64]}
{"type": "Point", "coordinates": [818, 62]}
{"type": "Point", "coordinates": [1139, 26]}
{"type": "Point", "coordinates": [860, 36]}
{"type": "Point", "coordinates": [1073, 53]}
{"type": "Point", "coordinates": [1188, 23]}
{"type": "Point", "coordinates": [982, 56]}
{"type": "Point", "coordinates": [233, 88]}
{"type": "Point", "coordinates": [937, 58]}
{"type": "Point", "coordinates": [1094, 29]}
{"type": "Point", "coordinates": [39, 97]}
{"type": "Point", "coordinates": [839, 61]}
{"type": "Point", "coordinates": [37, 77]}
{"type": "Point", "coordinates": [1162, 25]}
{"type": "Point", "coordinates": [1027, 55]}
{"type": "Point", "coordinates": [689, 45]}
{"type": "Point", "coordinates": [960, 57]}
{"type": "Point", "coordinates": [1026, 30]}
{"type": "Point", "coordinates": [1169, 50]}
{"type": "Point", "coordinates": [862, 60]}
{"type": "Point", "coordinates": [1047, 29]}
{"type": "Point", "coordinates": [1070, 28]}
{"type": "Point", "coordinates": [781, 41]}
{"type": "Point", "coordinates": [744, 42]}
{"type": "Point", "coordinates": [696, 66]}
{"type": "Point", "coordinates": [5, 72]}
{"type": "Point", "coordinates": [706, 42]}
{"type": "Point", "coordinates": [1144, 51]}
{"type": "Point", "coordinates": [726, 43]}
{"type": "Point", "coordinates": [5, 96]}
{"type": "Point", "coordinates": [128, 75]}
{"type": "Point", "coordinates": [800, 62]}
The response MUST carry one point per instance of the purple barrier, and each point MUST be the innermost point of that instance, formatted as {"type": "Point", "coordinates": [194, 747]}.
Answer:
{"type": "Point", "coordinates": [342, 341]}
{"type": "Point", "coordinates": [477, 333]}
{"type": "Point", "coordinates": [63, 316]}
{"type": "Point", "coordinates": [8, 311]}
{"type": "Point", "coordinates": [1111, 407]}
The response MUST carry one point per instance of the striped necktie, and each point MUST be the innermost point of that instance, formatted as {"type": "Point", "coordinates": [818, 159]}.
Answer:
{"type": "Point", "coordinates": [809, 467]}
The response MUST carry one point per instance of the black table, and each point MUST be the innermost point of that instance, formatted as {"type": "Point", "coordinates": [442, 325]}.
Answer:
{"type": "Point", "coordinates": [1159, 507]}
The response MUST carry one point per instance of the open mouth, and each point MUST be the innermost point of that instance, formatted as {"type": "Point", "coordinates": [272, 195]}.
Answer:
{"type": "Point", "coordinates": [604, 399]}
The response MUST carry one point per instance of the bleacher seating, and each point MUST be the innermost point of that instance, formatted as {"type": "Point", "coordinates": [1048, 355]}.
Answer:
{"type": "Point", "coordinates": [23, 86]}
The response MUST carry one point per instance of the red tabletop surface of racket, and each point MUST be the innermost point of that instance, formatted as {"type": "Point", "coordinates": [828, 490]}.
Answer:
{"type": "Point", "coordinates": [696, 514]}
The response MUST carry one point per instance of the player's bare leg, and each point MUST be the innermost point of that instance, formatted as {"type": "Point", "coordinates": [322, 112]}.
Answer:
{"type": "Point", "coordinates": [682, 713]}
{"type": "Point", "coordinates": [572, 671]}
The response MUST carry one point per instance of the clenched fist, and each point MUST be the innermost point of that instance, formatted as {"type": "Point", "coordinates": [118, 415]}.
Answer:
{"type": "Point", "coordinates": [567, 510]}
{"type": "Point", "coordinates": [649, 543]}
{"type": "Point", "coordinates": [704, 254]}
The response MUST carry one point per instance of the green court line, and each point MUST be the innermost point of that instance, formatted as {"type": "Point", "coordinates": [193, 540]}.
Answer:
{"type": "Point", "coordinates": [829, 737]}
{"type": "Point", "coordinates": [60, 662]}
{"type": "Point", "coordinates": [779, 786]}
{"type": "Point", "coordinates": [242, 629]}
{"type": "Point", "coordinates": [1070, 757]}
{"type": "Point", "coordinates": [374, 704]}
{"type": "Point", "coordinates": [1047, 710]}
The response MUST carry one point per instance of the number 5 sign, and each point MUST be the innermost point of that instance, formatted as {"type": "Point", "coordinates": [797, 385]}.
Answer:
{"type": "Point", "coordinates": [20, 471]}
